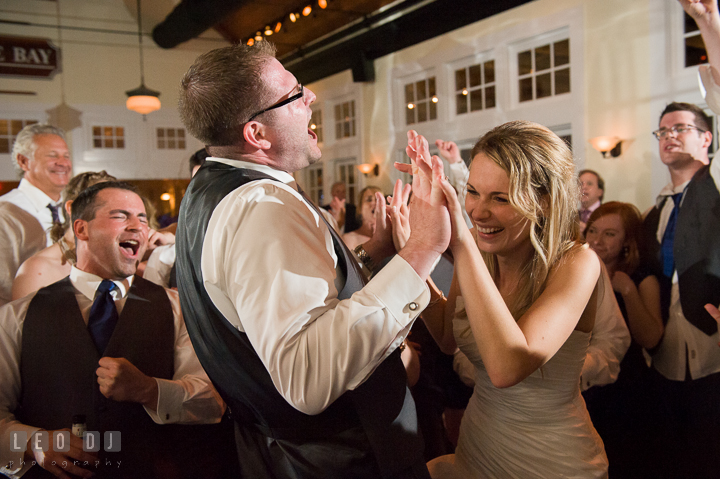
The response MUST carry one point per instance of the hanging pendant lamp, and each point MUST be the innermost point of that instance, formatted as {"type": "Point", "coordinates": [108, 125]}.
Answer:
{"type": "Point", "coordinates": [142, 99]}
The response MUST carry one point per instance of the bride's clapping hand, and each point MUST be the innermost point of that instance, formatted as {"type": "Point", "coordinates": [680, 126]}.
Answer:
{"type": "Point", "coordinates": [400, 214]}
{"type": "Point", "coordinates": [428, 208]}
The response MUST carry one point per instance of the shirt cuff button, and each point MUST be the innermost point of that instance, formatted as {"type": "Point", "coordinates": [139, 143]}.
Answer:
{"type": "Point", "coordinates": [413, 306]}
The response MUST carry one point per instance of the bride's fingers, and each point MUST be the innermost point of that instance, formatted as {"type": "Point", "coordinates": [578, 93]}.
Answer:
{"type": "Point", "coordinates": [404, 167]}
{"type": "Point", "coordinates": [380, 210]}
{"type": "Point", "coordinates": [406, 194]}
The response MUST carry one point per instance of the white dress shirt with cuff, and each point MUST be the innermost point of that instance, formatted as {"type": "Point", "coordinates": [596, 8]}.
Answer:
{"type": "Point", "coordinates": [188, 398]}
{"type": "Point", "coordinates": [278, 282]}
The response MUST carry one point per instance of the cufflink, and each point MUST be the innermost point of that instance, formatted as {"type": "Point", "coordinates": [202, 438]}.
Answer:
{"type": "Point", "coordinates": [413, 306]}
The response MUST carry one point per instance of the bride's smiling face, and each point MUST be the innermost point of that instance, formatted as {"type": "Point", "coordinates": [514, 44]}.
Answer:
{"type": "Point", "coordinates": [501, 229]}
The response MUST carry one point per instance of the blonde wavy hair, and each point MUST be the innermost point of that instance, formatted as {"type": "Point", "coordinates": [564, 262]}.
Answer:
{"type": "Point", "coordinates": [544, 190]}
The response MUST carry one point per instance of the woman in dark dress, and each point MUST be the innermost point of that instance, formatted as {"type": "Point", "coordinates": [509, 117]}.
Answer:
{"type": "Point", "coordinates": [621, 412]}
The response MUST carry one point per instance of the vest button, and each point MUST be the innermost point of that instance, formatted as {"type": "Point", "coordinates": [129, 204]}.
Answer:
{"type": "Point", "coordinates": [413, 306]}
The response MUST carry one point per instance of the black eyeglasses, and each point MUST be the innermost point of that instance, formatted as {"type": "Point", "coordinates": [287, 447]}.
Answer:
{"type": "Point", "coordinates": [291, 99]}
{"type": "Point", "coordinates": [677, 129]}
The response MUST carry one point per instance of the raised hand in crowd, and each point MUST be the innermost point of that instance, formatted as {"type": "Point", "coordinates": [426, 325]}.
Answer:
{"type": "Point", "coordinates": [449, 150]}
{"type": "Point", "coordinates": [705, 13]}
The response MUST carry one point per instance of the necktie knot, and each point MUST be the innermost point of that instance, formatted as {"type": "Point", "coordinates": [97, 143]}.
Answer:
{"type": "Point", "coordinates": [676, 199]}
{"type": "Point", "coordinates": [54, 212]}
{"type": "Point", "coordinates": [106, 286]}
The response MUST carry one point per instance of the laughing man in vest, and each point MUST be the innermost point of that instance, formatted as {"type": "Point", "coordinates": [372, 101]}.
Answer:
{"type": "Point", "coordinates": [105, 344]}
{"type": "Point", "coordinates": [683, 233]}
{"type": "Point", "coordinates": [300, 346]}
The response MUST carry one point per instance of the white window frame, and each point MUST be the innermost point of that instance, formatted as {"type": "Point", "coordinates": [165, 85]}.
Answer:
{"type": "Point", "coordinates": [478, 59]}
{"type": "Point", "coordinates": [314, 188]}
{"type": "Point", "coordinates": [352, 187]}
{"type": "Point", "coordinates": [353, 119]}
{"type": "Point", "coordinates": [531, 43]}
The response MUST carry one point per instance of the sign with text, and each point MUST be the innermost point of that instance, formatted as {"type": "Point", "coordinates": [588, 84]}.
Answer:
{"type": "Point", "coordinates": [28, 57]}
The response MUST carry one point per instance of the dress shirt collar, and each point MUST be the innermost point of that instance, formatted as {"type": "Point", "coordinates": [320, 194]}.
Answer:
{"type": "Point", "coordinates": [36, 196]}
{"type": "Point", "coordinates": [670, 190]}
{"type": "Point", "coordinates": [592, 207]}
{"type": "Point", "coordinates": [283, 176]}
{"type": "Point", "coordinates": [88, 283]}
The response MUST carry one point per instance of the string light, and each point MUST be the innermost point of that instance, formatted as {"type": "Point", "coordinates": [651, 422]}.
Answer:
{"type": "Point", "coordinates": [434, 99]}
{"type": "Point", "coordinates": [251, 42]}
{"type": "Point", "coordinates": [258, 36]}
{"type": "Point", "coordinates": [322, 4]}
{"type": "Point", "coordinates": [278, 26]}
{"type": "Point", "coordinates": [410, 106]}
{"type": "Point", "coordinates": [307, 10]}
{"type": "Point", "coordinates": [294, 17]}
{"type": "Point", "coordinates": [465, 92]}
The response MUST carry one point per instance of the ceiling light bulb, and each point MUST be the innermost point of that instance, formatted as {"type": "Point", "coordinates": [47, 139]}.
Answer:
{"type": "Point", "coordinates": [307, 10]}
{"type": "Point", "coordinates": [268, 31]}
{"type": "Point", "coordinates": [165, 196]}
{"type": "Point", "coordinates": [465, 92]}
{"type": "Point", "coordinates": [251, 42]}
{"type": "Point", "coordinates": [434, 99]}
{"type": "Point", "coordinates": [410, 106]}
{"type": "Point", "coordinates": [293, 17]}
{"type": "Point", "coordinates": [278, 26]}
{"type": "Point", "coordinates": [258, 37]}
{"type": "Point", "coordinates": [322, 4]}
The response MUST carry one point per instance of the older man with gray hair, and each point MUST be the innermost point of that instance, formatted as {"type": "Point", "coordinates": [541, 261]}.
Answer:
{"type": "Point", "coordinates": [42, 158]}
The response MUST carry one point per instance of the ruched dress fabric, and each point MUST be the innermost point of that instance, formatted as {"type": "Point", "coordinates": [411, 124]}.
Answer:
{"type": "Point", "coordinates": [538, 428]}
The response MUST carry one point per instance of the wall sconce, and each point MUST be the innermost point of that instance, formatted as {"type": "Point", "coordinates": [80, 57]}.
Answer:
{"type": "Point", "coordinates": [607, 145]}
{"type": "Point", "coordinates": [367, 168]}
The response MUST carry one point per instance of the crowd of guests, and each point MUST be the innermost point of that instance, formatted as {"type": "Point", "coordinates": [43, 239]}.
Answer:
{"type": "Point", "coordinates": [280, 339]}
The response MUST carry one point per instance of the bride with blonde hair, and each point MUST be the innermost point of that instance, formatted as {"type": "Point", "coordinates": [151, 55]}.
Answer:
{"type": "Point", "coordinates": [521, 308]}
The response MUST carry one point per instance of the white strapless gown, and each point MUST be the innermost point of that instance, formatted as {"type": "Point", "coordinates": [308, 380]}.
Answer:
{"type": "Point", "coordinates": [538, 428]}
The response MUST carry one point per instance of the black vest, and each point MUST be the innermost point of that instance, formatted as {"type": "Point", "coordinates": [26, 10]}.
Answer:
{"type": "Point", "coordinates": [696, 251]}
{"type": "Point", "coordinates": [59, 359]}
{"type": "Point", "coordinates": [368, 432]}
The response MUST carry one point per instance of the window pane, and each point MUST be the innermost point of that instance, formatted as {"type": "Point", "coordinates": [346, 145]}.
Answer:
{"type": "Point", "coordinates": [421, 90]}
{"type": "Point", "coordinates": [352, 129]}
{"type": "Point", "coordinates": [181, 133]}
{"type": "Point", "coordinates": [690, 25]}
{"type": "Point", "coordinates": [108, 131]}
{"type": "Point", "coordinates": [171, 133]}
{"type": "Point", "coordinates": [562, 52]}
{"type": "Point", "coordinates": [4, 127]}
{"type": "Point", "coordinates": [181, 144]}
{"type": "Point", "coordinates": [526, 89]}
{"type": "Point", "coordinates": [120, 143]}
{"type": "Point", "coordinates": [431, 86]}
{"type": "Point", "coordinates": [562, 81]}
{"type": "Point", "coordinates": [475, 77]}
{"type": "Point", "coordinates": [338, 130]}
{"type": "Point", "coordinates": [489, 71]}
{"type": "Point", "coordinates": [97, 143]}
{"type": "Point", "coordinates": [543, 85]}
{"type": "Point", "coordinates": [422, 112]}
{"type": "Point", "coordinates": [409, 116]}
{"type": "Point", "coordinates": [352, 108]}
{"type": "Point", "coordinates": [461, 104]}
{"type": "Point", "coordinates": [351, 176]}
{"type": "Point", "coordinates": [345, 111]}
{"type": "Point", "coordinates": [695, 53]}
{"type": "Point", "coordinates": [460, 79]}
{"type": "Point", "coordinates": [119, 131]}
{"type": "Point", "coordinates": [338, 112]}
{"type": "Point", "coordinates": [346, 129]}
{"type": "Point", "coordinates": [108, 143]}
{"type": "Point", "coordinates": [490, 97]}
{"type": "Point", "coordinates": [4, 145]}
{"type": "Point", "coordinates": [409, 93]}
{"type": "Point", "coordinates": [524, 63]}
{"type": "Point", "coordinates": [542, 58]}
{"type": "Point", "coordinates": [97, 131]}
{"type": "Point", "coordinates": [476, 100]}
{"type": "Point", "coordinates": [433, 111]}
{"type": "Point", "coordinates": [16, 126]}
{"type": "Point", "coordinates": [171, 144]}
{"type": "Point", "coordinates": [160, 133]}
{"type": "Point", "coordinates": [161, 143]}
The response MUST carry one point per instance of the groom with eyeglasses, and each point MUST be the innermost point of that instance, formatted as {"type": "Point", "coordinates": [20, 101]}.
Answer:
{"type": "Point", "coordinates": [683, 235]}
